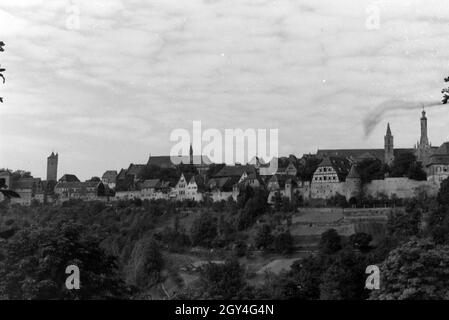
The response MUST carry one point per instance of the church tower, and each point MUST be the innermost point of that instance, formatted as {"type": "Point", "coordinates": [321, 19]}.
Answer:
{"type": "Point", "coordinates": [388, 146]}
{"type": "Point", "coordinates": [191, 154]}
{"type": "Point", "coordinates": [52, 167]}
{"type": "Point", "coordinates": [424, 140]}
{"type": "Point", "coordinates": [423, 148]}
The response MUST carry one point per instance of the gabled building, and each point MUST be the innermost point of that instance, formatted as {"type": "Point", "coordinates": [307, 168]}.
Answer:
{"type": "Point", "coordinates": [135, 171]}
{"type": "Point", "coordinates": [109, 178]}
{"type": "Point", "coordinates": [89, 190]}
{"type": "Point", "coordinates": [27, 188]}
{"type": "Point", "coordinates": [196, 188]}
{"type": "Point", "coordinates": [438, 166]}
{"type": "Point", "coordinates": [69, 178]}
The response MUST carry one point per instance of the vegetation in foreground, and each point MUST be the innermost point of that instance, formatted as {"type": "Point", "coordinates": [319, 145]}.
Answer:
{"type": "Point", "coordinates": [126, 250]}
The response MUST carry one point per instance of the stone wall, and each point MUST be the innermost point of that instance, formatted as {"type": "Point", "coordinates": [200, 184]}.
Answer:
{"type": "Point", "coordinates": [403, 188]}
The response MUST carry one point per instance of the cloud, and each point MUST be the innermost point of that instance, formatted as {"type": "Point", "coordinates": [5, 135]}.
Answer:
{"type": "Point", "coordinates": [110, 92]}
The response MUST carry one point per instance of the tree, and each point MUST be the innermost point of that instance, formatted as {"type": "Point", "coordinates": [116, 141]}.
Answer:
{"type": "Point", "coordinates": [2, 44]}
{"type": "Point", "coordinates": [443, 193]}
{"type": "Point", "coordinates": [371, 170]}
{"type": "Point", "coordinates": [416, 172]}
{"type": "Point", "coordinates": [417, 270]}
{"type": "Point", "coordinates": [283, 243]}
{"type": "Point", "coordinates": [255, 206]}
{"type": "Point", "coordinates": [204, 230]}
{"type": "Point", "coordinates": [145, 263]}
{"type": "Point", "coordinates": [402, 164]}
{"type": "Point", "coordinates": [306, 274]}
{"type": "Point", "coordinates": [264, 239]}
{"type": "Point", "coordinates": [306, 171]}
{"type": "Point", "coordinates": [35, 260]}
{"type": "Point", "coordinates": [344, 277]}
{"type": "Point", "coordinates": [330, 242]}
{"type": "Point", "coordinates": [222, 281]}
{"type": "Point", "coordinates": [361, 241]}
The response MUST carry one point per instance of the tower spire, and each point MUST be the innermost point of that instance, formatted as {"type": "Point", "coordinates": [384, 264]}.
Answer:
{"type": "Point", "coordinates": [388, 146]}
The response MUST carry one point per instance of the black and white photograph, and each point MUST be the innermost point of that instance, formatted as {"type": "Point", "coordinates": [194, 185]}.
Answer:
{"type": "Point", "coordinates": [254, 151]}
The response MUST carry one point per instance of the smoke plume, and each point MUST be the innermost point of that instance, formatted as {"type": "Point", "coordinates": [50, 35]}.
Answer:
{"type": "Point", "coordinates": [375, 116]}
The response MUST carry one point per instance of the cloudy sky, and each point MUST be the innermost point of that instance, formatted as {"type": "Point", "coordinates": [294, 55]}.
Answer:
{"type": "Point", "coordinates": [110, 89]}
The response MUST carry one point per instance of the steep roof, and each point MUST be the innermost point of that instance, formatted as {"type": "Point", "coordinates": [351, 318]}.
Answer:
{"type": "Point", "coordinates": [353, 173]}
{"type": "Point", "coordinates": [110, 175]}
{"type": "Point", "coordinates": [360, 154]}
{"type": "Point", "coordinates": [161, 161]}
{"type": "Point", "coordinates": [78, 184]}
{"type": "Point", "coordinates": [222, 183]}
{"type": "Point", "coordinates": [135, 169]}
{"type": "Point", "coordinates": [150, 184]}
{"type": "Point", "coordinates": [340, 165]}
{"type": "Point", "coordinates": [441, 155]}
{"type": "Point", "coordinates": [166, 161]}
{"type": "Point", "coordinates": [26, 183]}
{"type": "Point", "coordinates": [69, 178]}
{"type": "Point", "coordinates": [235, 171]}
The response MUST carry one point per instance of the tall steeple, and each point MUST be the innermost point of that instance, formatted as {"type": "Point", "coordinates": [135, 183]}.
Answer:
{"type": "Point", "coordinates": [191, 154]}
{"type": "Point", "coordinates": [388, 146]}
{"type": "Point", "coordinates": [423, 149]}
{"type": "Point", "coordinates": [424, 141]}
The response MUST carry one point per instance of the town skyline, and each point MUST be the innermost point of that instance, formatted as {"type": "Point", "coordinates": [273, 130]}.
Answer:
{"type": "Point", "coordinates": [110, 90]}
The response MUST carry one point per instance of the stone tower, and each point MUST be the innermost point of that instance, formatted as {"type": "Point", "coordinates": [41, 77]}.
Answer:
{"type": "Point", "coordinates": [423, 147]}
{"type": "Point", "coordinates": [353, 184]}
{"type": "Point", "coordinates": [191, 154]}
{"type": "Point", "coordinates": [388, 146]}
{"type": "Point", "coordinates": [52, 167]}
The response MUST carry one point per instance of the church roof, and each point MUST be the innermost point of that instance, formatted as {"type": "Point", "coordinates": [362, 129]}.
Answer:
{"type": "Point", "coordinates": [110, 175]}
{"type": "Point", "coordinates": [135, 169]}
{"type": "Point", "coordinates": [441, 155]}
{"type": "Point", "coordinates": [360, 154]}
{"type": "Point", "coordinates": [443, 150]}
{"type": "Point", "coordinates": [235, 171]}
{"type": "Point", "coordinates": [353, 173]}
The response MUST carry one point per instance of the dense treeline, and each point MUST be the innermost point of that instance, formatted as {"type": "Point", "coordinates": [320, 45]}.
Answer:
{"type": "Point", "coordinates": [124, 251]}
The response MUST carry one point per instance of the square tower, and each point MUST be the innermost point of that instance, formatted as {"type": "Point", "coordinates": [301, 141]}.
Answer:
{"type": "Point", "coordinates": [52, 167]}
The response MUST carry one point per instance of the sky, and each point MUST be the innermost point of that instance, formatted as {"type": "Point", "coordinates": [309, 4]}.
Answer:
{"type": "Point", "coordinates": [105, 82]}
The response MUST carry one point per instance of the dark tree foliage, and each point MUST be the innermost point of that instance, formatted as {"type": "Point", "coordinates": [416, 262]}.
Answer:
{"type": "Point", "coordinates": [254, 207]}
{"type": "Point", "coordinates": [443, 194]}
{"type": "Point", "coordinates": [223, 281]}
{"type": "Point", "coordinates": [306, 274]}
{"type": "Point", "coordinates": [35, 260]}
{"type": "Point", "coordinates": [403, 225]}
{"type": "Point", "coordinates": [330, 242]}
{"type": "Point", "coordinates": [306, 171]}
{"type": "Point", "coordinates": [204, 230]}
{"type": "Point", "coordinates": [361, 241]}
{"type": "Point", "coordinates": [371, 170]}
{"type": "Point", "coordinates": [344, 279]}
{"type": "Point", "coordinates": [416, 172]}
{"type": "Point", "coordinates": [283, 243]}
{"type": "Point", "coordinates": [405, 165]}
{"type": "Point", "coordinates": [417, 270]}
{"type": "Point", "coordinates": [264, 239]}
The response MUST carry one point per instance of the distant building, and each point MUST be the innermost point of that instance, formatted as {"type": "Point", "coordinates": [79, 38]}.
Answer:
{"type": "Point", "coordinates": [89, 190]}
{"type": "Point", "coordinates": [109, 178]}
{"type": "Point", "coordinates": [52, 167]}
{"type": "Point", "coordinates": [438, 166]}
{"type": "Point", "coordinates": [69, 178]}
{"type": "Point", "coordinates": [5, 179]}
{"type": "Point", "coordinates": [27, 188]}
